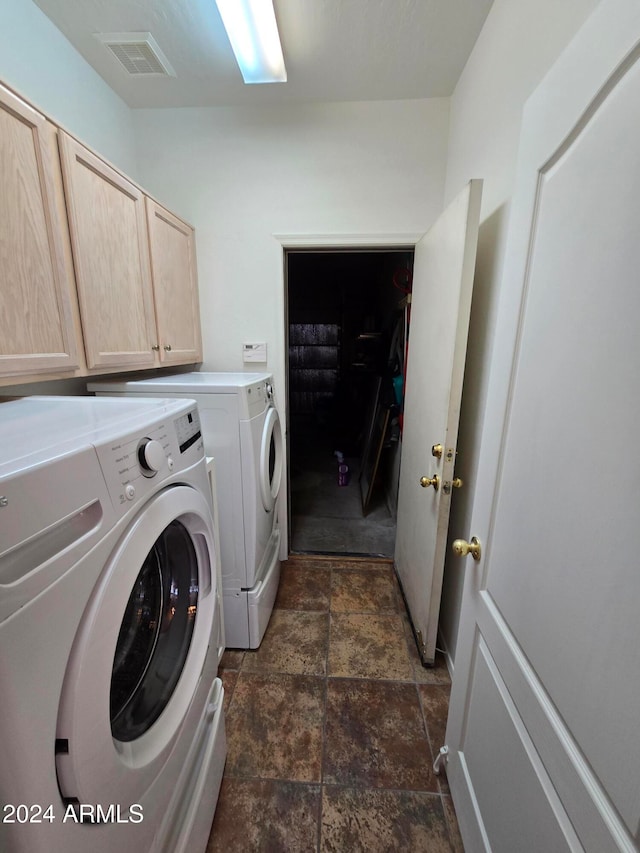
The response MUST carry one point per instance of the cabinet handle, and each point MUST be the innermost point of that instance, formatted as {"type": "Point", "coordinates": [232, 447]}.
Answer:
{"type": "Point", "coordinates": [155, 347]}
{"type": "Point", "coordinates": [167, 347]}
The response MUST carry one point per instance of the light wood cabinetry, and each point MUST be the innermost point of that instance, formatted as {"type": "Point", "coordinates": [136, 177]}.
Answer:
{"type": "Point", "coordinates": [107, 223]}
{"type": "Point", "coordinates": [95, 276]}
{"type": "Point", "coordinates": [175, 286]}
{"type": "Point", "coordinates": [37, 333]}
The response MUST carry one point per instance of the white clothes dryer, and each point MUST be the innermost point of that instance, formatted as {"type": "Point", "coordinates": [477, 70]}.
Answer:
{"type": "Point", "coordinates": [241, 430]}
{"type": "Point", "coordinates": [111, 724]}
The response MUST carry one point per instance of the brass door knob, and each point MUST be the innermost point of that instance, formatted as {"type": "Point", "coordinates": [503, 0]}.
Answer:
{"type": "Point", "coordinates": [461, 548]}
{"type": "Point", "coordinates": [437, 450]}
{"type": "Point", "coordinates": [456, 483]}
{"type": "Point", "coordinates": [434, 481]}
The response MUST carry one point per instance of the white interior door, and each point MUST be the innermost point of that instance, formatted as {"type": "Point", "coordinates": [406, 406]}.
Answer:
{"type": "Point", "coordinates": [444, 266]}
{"type": "Point", "coordinates": [543, 727]}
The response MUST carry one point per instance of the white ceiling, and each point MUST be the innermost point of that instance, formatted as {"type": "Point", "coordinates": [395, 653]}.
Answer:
{"type": "Point", "coordinates": [335, 50]}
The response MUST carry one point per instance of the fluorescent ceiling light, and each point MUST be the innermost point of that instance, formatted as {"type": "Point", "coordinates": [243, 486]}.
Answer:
{"type": "Point", "coordinates": [253, 33]}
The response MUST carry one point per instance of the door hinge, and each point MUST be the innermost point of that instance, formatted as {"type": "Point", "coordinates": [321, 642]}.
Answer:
{"type": "Point", "coordinates": [441, 759]}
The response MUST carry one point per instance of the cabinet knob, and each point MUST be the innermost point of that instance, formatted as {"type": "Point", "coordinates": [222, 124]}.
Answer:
{"type": "Point", "coordinates": [167, 347]}
{"type": "Point", "coordinates": [155, 347]}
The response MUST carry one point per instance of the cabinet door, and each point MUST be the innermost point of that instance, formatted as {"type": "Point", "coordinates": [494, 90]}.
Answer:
{"type": "Point", "coordinates": [175, 286]}
{"type": "Point", "coordinates": [36, 278]}
{"type": "Point", "coordinates": [111, 256]}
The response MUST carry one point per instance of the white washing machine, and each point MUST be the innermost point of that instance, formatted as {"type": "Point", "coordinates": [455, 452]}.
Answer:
{"type": "Point", "coordinates": [111, 724]}
{"type": "Point", "coordinates": [241, 430]}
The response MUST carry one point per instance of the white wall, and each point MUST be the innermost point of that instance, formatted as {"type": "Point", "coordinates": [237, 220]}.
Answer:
{"type": "Point", "coordinates": [242, 176]}
{"type": "Point", "coordinates": [38, 62]}
{"type": "Point", "coordinates": [518, 44]}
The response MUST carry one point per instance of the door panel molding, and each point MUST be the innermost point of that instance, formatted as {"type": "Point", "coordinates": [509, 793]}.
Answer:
{"type": "Point", "coordinates": [563, 760]}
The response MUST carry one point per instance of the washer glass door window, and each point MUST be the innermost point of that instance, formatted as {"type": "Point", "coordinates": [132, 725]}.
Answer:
{"type": "Point", "coordinates": [155, 634]}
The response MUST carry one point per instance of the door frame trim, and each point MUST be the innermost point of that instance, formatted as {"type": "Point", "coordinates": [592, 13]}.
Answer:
{"type": "Point", "coordinates": [392, 240]}
{"type": "Point", "coordinates": [341, 242]}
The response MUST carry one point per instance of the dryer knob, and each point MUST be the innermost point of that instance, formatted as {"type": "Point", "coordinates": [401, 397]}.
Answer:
{"type": "Point", "coordinates": [151, 455]}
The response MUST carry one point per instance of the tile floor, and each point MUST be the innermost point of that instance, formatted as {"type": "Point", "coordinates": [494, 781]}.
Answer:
{"type": "Point", "coordinates": [332, 724]}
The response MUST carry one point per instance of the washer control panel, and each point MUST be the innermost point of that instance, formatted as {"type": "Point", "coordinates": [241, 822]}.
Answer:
{"type": "Point", "coordinates": [188, 430]}
{"type": "Point", "coordinates": [133, 464]}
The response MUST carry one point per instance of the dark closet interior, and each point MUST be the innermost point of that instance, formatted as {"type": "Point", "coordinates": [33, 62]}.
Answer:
{"type": "Point", "coordinates": [348, 314]}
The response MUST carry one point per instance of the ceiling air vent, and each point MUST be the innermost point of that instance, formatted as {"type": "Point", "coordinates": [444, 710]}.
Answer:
{"type": "Point", "coordinates": [138, 53]}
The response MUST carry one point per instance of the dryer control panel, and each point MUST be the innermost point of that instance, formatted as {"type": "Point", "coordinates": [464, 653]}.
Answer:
{"type": "Point", "coordinates": [258, 396]}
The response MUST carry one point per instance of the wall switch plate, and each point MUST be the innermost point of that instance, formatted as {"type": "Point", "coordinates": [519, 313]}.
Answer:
{"type": "Point", "coordinates": [254, 352]}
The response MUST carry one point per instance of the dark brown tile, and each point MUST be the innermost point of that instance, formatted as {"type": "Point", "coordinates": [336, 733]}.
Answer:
{"type": "Point", "coordinates": [452, 822]}
{"type": "Point", "coordinates": [443, 783]}
{"type": "Point", "coordinates": [303, 588]}
{"type": "Point", "coordinates": [229, 678]}
{"type": "Point", "coordinates": [255, 815]}
{"type": "Point", "coordinates": [363, 591]}
{"type": "Point", "coordinates": [402, 607]}
{"type": "Point", "coordinates": [264, 708]}
{"type": "Point", "coordinates": [435, 703]}
{"type": "Point", "coordinates": [436, 674]}
{"type": "Point", "coordinates": [357, 820]}
{"type": "Point", "coordinates": [368, 646]}
{"type": "Point", "coordinates": [308, 562]}
{"type": "Point", "coordinates": [231, 659]}
{"type": "Point", "coordinates": [295, 642]}
{"type": "Point", "coordinates": [364, 564]}
{"type": "Point", "coordinates": [375, 736]}
{"type": "Point", "coordinates": [337, 561]}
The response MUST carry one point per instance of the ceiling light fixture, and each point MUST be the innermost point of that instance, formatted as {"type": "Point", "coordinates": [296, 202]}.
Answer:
{"type": "Point", "coordinates": [253, 33]}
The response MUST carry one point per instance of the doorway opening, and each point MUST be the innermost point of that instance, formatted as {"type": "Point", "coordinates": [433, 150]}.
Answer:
{"type": "Point", "coordinates": [347, 326]}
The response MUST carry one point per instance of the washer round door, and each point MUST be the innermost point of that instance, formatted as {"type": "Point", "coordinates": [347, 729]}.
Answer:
{"type": "Point", "coordinates": [270, 459]}
{"type": "Point", "coordinates": [139, 653]}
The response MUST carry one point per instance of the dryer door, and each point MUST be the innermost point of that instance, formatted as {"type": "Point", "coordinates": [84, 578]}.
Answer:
{"type": "Point", "coordinates": [270, 459]}
{"type": "Point", "coordinates": [139, 654]}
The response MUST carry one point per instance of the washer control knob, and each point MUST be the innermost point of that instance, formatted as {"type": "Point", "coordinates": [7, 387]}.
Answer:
{"type": "Point", "coordinates": [151, 455]}
{"type": "Point", "coordinates": [170, 463]}
{"type": "Point", "coordinates": [130, 491]}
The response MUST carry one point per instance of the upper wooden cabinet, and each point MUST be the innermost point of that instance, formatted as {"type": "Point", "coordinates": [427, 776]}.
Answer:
{"type": "Point", "coordinates": [94, 275]}
{"type": "Point", "coordinates": [37, 332]}
{"type": "Point", "coordinates": [175, 286]}
{"type": "Point", "coordinates": [107, 223]}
